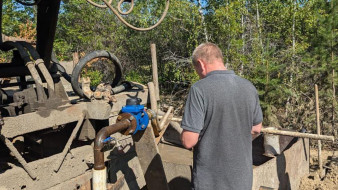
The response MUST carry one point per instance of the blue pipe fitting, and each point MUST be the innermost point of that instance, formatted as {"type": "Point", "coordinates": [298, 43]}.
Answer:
{"type": "Point", "coordinates": [140, 115]}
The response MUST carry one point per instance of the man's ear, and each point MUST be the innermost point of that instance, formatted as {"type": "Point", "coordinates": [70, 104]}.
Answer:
{"type": "Point", "coordinates": [202, 65]}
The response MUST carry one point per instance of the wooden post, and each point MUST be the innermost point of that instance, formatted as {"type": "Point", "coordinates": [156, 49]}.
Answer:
{"type": "Point", "coordinates": [321, 172]}
{"type": "Point", "coordinates": [154, 67]}
{"type": "Point", "coordinates": [333, 104]}
{"type": "Point", "coordinates": [152, 95]}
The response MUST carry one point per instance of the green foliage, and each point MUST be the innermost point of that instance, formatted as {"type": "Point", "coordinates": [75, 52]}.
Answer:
{"type": "Point", "coordinates": [94, 75]}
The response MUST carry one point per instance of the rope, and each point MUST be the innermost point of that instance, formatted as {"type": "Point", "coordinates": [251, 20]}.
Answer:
{"type": "Point", "coordinates": [119, 11]}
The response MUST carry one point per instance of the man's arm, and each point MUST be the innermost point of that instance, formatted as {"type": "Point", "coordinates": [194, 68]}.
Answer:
{"type": "Point", "coordinates": [189, 139]}
{"type": "Point", "coordinates": [256, 130]}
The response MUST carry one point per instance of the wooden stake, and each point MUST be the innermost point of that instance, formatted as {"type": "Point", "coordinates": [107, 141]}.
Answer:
{"type": "Point", "coordinates": [321, 172]}
{"type": "Point", "coordinates": [163, 121]}
{"type": "Point", "coordinates": [297, 134]}
{"type": "Point", "coordinates": [154, 67]}
{"type": "Point", "coordinates": [333, 104]}
{"type": "Point", "coordinates": [152, 95]}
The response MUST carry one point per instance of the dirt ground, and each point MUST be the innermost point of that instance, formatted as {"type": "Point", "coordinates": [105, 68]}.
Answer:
{"type": "Point", "coordinates": [330, 163]}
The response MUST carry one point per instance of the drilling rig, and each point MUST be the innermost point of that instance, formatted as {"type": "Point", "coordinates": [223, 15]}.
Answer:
{"type": "Point", "coordinates": [52, 138]}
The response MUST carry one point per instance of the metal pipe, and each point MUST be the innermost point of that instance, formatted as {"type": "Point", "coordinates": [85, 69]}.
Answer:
{"type": "Point", "coordinates": [100, 171]}
{"type": "Point", "coordinates": [103, 134]}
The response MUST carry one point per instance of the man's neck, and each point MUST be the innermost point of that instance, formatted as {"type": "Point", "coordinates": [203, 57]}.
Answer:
{"type": "Point", "coordinates": [216, 67]}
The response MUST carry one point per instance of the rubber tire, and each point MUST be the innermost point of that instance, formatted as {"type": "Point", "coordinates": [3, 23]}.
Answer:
{"type": "Point", "coordinates": [83, 61]}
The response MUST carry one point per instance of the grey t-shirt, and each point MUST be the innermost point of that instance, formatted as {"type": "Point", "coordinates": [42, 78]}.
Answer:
{"type": "Point", "coordinates": [222, 108]}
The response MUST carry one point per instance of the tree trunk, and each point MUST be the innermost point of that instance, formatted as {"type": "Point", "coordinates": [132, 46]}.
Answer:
{"type": "Point", "coordinates": [200, 10]}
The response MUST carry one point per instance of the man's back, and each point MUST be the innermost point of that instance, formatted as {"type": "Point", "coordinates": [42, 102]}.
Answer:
{"type": "Point", "coordinates": [222, 108]}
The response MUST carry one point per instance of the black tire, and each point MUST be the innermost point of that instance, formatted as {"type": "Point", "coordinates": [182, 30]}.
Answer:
{"type": "Point", "coordinates": [83, 61]}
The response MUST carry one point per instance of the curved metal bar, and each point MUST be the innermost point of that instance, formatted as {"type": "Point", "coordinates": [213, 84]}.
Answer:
{"type": "Point", "coordinates": [116, 12]}
{"type": "Point", "coordinates": [130, 9]}
{"type": "Point", "coordinates": [103, 134]}
{"type": "Point", "coordinates": [98, 5]}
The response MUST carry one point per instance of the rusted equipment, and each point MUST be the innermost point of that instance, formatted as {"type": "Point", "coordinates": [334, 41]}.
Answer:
{"type": "Point", "coordinates": [28, 63]}
{"type": "Point", "coordinates": [69, 142]}
{"type": "Point", "coordinates": [105, 132]}
{"type": "Point", "coordinates": [42, 67]}
{"type": "Point", "coordinates": [43, 115]}
{"type": "Point", "coordinates": [18, 156]}
{"type": "Point", "coordinates": [99, 171]}
{"type": "Point", "coordinates": [47, 16]}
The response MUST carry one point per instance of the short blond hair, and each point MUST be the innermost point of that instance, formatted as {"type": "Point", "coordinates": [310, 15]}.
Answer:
{"type": "Point", "coordinates": [208, 52]}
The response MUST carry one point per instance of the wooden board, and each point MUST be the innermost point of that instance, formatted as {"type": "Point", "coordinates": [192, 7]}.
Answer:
{"type": "Point", "coordinates": [150, 160]}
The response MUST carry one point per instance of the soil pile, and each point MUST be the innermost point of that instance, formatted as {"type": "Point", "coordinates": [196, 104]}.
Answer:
{"type": "Point", "coordinates": [330, 181]}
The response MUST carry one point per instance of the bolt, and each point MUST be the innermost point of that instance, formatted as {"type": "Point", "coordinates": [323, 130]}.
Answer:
{"type": "Point", "coordinates": [113, 142]}
{"type": "Point", "coordinates": [143, 126]}
{"type": "Point", "coordinates": [131, 131]}
{"type": "Point", "coordinates": [131, 118]}
{"type": "Point", "coordinates": [119, 117]}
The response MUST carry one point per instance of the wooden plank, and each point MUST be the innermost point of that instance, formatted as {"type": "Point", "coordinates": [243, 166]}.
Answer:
{"type": "Point", "coordinates": [150, 160]}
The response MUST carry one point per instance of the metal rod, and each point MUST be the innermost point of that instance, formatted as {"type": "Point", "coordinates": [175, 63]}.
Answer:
{"type": "Point", "coordinates": [18, 156]}
{"type": "Point", "coordinates": [103, 134]}
{"type": "Point", "coordinates": [155, 71]}
{"type": "Point", "coordinates": [320, 162]}
{"type": "Point", "coordinates": [69, 143]}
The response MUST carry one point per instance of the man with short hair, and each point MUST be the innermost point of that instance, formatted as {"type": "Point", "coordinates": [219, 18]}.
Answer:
{"type": "Point", "coordinates": [222, 113]}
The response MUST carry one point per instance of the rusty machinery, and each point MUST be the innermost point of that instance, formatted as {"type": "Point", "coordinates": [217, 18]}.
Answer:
{"type": "Point", "coordinates": [37, 118]}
